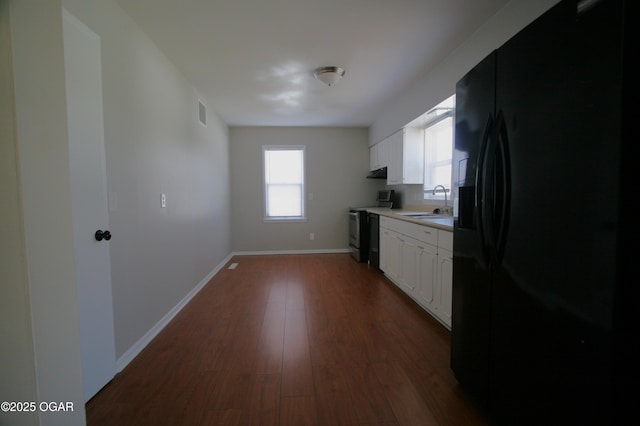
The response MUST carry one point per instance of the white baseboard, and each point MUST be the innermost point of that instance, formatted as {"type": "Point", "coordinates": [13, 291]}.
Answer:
{"type": "Point", "coordinates": [134, 350]}
{"type": "Point", "coordinates": [267, 252]}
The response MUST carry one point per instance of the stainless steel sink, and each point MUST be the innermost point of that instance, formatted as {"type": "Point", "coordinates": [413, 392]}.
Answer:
{"type": "Point", "coordinates": [422, 215]}
{"type": "Point", "coordinates": [413, 214]}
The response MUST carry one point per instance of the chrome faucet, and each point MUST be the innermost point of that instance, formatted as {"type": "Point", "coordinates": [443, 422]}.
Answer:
{"type": "Point", "coordinates": [446, 209]}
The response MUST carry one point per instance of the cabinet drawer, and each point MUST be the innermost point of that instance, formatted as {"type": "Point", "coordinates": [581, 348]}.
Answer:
{"type": "Point", "coordinates": [445, 240]}
{"type": "Point", "coordinates": [422, 233]}
{"type": "Point", "coordinates": [393, 224]}
{"type": "Point", "coordinates": [384, 222]}
{"type": "Point", "coordinates": [425, 234]}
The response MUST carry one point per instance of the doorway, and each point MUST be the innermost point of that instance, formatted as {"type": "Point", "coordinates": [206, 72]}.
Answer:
{"type": "Point", "coordinates": [83, 77]}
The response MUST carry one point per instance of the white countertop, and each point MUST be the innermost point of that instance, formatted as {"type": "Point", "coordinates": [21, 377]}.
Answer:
{"type": "Point", "coordinates": [436, 221]}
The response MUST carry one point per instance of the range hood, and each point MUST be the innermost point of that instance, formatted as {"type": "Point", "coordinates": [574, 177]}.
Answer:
{"type": "Point", "coordinates": [378, 174]}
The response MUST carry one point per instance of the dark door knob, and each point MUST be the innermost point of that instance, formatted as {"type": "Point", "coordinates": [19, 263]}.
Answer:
{"type": "Point", "coordinates": [102, 235]}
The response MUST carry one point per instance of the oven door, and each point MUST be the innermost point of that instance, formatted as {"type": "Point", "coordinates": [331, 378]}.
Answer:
{"type": "Point", "coordinates": [354, 229]}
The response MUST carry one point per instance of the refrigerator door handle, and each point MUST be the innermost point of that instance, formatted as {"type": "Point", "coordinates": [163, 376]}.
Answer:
{"type": "Point", "coordinates": [495, 192]}
{"type": "Point", "coordinates": [502, 188]}
{"type": "Point", "coordinates": [483, 167]}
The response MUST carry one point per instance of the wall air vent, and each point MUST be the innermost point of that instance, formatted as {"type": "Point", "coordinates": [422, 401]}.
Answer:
{"type": "Point", "coordinates": [202, 113]}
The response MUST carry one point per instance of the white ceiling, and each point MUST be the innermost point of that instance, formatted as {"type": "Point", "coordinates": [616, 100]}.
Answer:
{"type": "Point", "coordinates": [254, 59]}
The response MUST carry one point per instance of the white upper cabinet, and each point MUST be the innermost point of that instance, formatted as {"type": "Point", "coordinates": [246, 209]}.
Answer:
{"type": "Point", "coordinates": [406, 157]}
{"type": "Point", "coordinates": [379, 155]}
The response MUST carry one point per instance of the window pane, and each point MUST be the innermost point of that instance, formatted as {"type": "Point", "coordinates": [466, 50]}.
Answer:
{"type": "Point", "coordinates": [438, 152]}
{"type": "Point", "coordinates": [441, 174]}
{"type": "Point", "coordinates": [438, 144]}
{"type": "Point", "coordinates": [284, 200]}
{"type": "Point", "coordinates": [442, 144]}
{"type": "Point", "coordinates": [439, 139]}
{"type": "Point", "coordinates": [284, 182]}
{"type": "Point", "coordinates": [283, 166]}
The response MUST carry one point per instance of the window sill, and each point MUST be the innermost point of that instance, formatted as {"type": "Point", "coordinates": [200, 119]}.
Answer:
{"type": "Point", "coordinates": [284, 219]}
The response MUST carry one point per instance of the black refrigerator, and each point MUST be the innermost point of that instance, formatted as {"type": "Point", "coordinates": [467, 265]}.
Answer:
{"type": "Point", "coordinates": [544, 289]}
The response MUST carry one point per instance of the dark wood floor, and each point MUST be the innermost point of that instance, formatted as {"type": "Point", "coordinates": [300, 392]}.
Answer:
{"type": "Point", "coordinates": [292, 340]}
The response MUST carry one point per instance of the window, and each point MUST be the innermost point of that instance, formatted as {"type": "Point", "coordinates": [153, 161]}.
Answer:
{"type": "Point", "coordinates": [438, 144]}
{"type": "Point", "coordinates": [284, 182]}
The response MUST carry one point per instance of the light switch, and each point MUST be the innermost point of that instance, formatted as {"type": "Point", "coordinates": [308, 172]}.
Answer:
{"type": "Point", "coordinates": [163, 200]}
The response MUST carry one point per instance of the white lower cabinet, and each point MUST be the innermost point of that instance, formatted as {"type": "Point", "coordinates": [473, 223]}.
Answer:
{"type": "Point", "coordinates": [427, 294]}
{"type": "Point", "coordinates": [412, 257]}
{"type": "Point", "coordinates": [409, 278]}
{"type": "Point", "coordinates": [445, 284]}
{"type": "Point", "coordinates": [390, 249]}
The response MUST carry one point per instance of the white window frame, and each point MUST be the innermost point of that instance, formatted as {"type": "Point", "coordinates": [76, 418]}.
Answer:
{"type": "Point", "coordinates": [291, 218]}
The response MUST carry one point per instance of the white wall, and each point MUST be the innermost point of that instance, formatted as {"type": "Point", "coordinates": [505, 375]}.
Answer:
{"type": "Point", "coordinates": [43, 175]}
{"type": "Point", "coordinates": [440, 82]}
{"type": "Point", "coordinates": [337, 162]}
{"type": "Point", "coordinates": [17, 374]}
{"type": "Point", "coordinates": [154, 144]}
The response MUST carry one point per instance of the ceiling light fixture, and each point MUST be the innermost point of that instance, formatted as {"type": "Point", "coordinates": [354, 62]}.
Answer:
{"type": "Point", "coordinates": [329, 75]}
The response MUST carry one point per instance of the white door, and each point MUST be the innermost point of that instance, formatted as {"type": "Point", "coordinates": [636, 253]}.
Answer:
{"type": "Point", "coordinates": [83, 78]}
